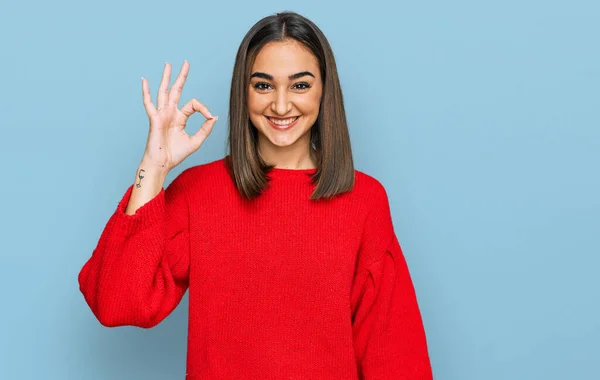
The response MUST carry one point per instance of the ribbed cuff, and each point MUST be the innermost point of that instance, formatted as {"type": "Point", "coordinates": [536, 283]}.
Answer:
{"type": "Point", "coordinates": [148, 214]}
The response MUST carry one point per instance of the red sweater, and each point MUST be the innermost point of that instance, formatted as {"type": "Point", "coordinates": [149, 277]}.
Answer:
{"type": "Point", "coordinates": [281, 287]}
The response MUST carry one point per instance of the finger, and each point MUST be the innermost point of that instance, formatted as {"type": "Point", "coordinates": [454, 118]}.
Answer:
{"type": "Point", "coordinates": [198, 138]}
{"type": "Point", "coordinates": [175, 93]}
{"type": "Point", "coordinates": [148, 105]}
{"type": "Point", "coordinates": [163, 91]}
{"type": "Point", "coordinates": [194, 105]}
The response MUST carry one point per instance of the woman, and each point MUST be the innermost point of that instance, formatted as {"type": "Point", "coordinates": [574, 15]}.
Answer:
{"type": "Point", "coordinates": [289, 254]}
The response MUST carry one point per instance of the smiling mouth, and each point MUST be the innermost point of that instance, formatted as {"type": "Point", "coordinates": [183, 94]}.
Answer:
{"type": "Point", "coordinates": [283, 122]}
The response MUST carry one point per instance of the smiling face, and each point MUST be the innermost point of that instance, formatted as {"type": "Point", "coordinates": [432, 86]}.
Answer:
{"type": "Point", "coordinates": [284, 96]}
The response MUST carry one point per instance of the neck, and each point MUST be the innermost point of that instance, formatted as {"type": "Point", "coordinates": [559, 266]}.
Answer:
{"type": "Point", "coordinates": [295, 156]}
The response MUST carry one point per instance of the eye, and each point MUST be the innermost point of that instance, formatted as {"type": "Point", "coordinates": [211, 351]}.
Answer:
{"type": "Point", "coordinates": [303, 86]}
{"type": "Point", "coordinates": [262, 86]}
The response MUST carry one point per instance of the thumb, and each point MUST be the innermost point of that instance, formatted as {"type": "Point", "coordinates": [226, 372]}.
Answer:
{"type": "Point", "coordinates": [198, 138]}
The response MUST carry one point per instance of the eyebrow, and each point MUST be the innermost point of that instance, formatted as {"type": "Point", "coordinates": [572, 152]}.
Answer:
{"type": "Point", "coordinates": [291, 77]}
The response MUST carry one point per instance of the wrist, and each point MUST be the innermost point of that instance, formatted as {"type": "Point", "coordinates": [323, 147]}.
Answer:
{"type": "Point", "coordinates": [150, 175]}
{"type": "Point", "coordinates": [152, 168]}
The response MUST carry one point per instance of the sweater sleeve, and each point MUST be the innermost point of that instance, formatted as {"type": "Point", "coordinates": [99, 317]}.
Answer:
{"type": "Point", "coordinates": [389, 337]}
{"type": "Point", "coordinates": [138, 272]}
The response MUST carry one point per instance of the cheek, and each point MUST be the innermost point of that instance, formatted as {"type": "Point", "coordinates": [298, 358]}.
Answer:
{"type": "Point", "coordinates": [256, 103]}
{"type": "Point", "coordinates": [252, 103]}
{"type": "Point", "coordinates": [310, 104]}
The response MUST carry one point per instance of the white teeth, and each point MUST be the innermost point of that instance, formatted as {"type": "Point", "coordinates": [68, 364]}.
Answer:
{"type": "Point", "coordinates": [284, 121]}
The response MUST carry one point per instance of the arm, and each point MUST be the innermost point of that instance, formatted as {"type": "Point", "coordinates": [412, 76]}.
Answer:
{"type": "Point", "coordinates": [138, 272]}
{"type": "Point", "coordinates": [389, 337]}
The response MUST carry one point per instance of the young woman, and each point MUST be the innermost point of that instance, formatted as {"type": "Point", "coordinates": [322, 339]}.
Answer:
{"type": "Point", "coordinates": [293, 267]}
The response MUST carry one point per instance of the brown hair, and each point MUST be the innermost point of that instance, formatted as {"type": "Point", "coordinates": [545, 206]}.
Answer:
{"type": "Point", "coordinates": [329, 136]}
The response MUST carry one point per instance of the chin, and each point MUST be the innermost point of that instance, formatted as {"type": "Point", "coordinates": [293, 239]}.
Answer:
{"type": "Point", "coordinates": [281, 141]}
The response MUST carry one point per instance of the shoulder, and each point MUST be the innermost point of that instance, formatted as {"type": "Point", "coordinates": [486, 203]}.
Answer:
{"type": "Point", "coordinates": [211, 167]}
{"type": "Point", "coordinates": [214, 167]}
{"type": "Point", "coordinates": [369, 187]}
{"type": "Point", "coordinates": [194, 176]}
{"type": "Point", "coordinates": [377, 224]}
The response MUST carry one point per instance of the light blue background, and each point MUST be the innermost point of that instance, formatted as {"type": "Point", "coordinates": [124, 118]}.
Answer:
{"type": "Point", "coordinates": [480, 119]}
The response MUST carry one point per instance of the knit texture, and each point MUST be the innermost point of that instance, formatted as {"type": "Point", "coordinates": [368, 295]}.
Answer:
{"type": "Point", "coordinates": [280, 287]}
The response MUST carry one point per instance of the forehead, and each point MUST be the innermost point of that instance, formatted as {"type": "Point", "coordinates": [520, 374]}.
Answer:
{"type": "Point", "coordinates": [281, 59]}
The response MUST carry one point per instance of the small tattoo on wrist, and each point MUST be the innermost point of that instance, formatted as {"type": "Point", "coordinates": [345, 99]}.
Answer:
{"type": "Point", "coordinates": [141, 176]}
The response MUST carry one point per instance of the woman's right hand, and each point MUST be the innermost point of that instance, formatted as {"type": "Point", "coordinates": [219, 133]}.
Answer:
{"type": "Point", "coordinates": [168, 144]}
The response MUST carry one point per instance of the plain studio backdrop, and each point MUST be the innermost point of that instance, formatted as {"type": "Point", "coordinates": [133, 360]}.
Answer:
{"type": "Point", "coordinates": [481, 119]}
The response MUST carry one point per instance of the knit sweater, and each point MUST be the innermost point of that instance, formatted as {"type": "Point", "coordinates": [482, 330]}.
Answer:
{"type": "Point", "coordinates": [280, 287]}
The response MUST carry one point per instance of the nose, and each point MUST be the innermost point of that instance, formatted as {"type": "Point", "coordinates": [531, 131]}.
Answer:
{"type": "Point", "coordinates": [281, 105]}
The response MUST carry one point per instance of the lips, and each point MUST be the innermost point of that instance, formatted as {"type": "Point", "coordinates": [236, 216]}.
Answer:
{"type": "Point", "coordinates": [282, 126]}
{"type": "Point", "coordinates": [282, 118]}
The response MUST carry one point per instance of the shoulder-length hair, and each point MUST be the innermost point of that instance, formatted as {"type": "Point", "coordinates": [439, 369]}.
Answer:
{"type": "Point", "coordinates": [329, 136]}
